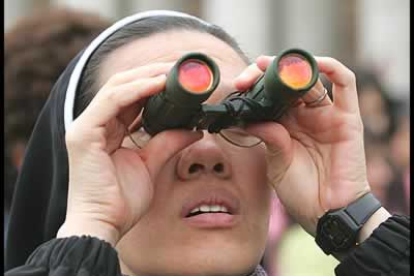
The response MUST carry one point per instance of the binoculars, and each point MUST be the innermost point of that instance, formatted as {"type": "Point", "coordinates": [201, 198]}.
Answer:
{"type": "Point", "coordinates": [194, 78]}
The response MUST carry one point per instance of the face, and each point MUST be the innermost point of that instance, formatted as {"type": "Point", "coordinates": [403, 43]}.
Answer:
{"type": "Point", "coordinates": [210, 172]}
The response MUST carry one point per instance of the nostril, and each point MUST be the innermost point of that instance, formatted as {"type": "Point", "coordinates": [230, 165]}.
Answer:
{"type": "Point", "coordinates": [219, 168]}
{"type": "Point", "coordinates": [195, 167]}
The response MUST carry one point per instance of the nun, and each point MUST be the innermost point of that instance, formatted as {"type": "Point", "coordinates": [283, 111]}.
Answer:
{"type": "Point", "coordinates": [97, 195]}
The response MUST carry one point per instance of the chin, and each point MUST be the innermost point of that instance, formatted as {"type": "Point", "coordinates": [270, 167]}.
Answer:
{"type": "Point", "coordinates": [210, 266]}
{"type": "Point", "coordinates": [202, 260]}
{"type": "Point", "coordinates": [219, 267]}
{"type": "Point", "coordinates": [216, 254]}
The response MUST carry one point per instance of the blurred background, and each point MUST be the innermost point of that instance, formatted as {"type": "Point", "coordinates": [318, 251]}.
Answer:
{"type": "Point", "coordinates": [372, 37]}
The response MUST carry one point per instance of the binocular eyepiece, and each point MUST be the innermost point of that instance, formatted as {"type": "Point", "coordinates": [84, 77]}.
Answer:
{"type": "Point", "coordinates": [194, 78]}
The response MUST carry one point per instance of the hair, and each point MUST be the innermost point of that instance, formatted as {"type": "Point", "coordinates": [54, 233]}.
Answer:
{"type": "Point", "coordinates": [138, 30]}
{"type": "Point", "coordinates": [37, 50]}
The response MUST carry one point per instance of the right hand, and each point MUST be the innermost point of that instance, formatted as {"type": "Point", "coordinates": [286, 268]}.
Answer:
{"type": "Point", "coordinates": [110, 186]}
{"type": "Point", "coordinates": [315, 154]}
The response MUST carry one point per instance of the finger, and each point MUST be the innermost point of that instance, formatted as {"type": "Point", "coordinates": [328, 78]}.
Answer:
{"type": "Point", "coordinates": [264, 61]}
{"type": "Point", "coordinates": [163, 146]}
{"type": "Point", "coordinates": [317, 96]}
{"type": "Point", "coordinates": [248, 77]}
{"type": "Point", "coordinates": [297, 103]}
{"type": "Point", "coordinates": [108, 103]}
{"type": "Point", "coordinates": [129, 115]}
{"type": "Point", "coordinates": [275, 136]}
{"type": "Point", "coordinates": [343, 83]}
{"type": "Point", "coordinates": [148, 71]}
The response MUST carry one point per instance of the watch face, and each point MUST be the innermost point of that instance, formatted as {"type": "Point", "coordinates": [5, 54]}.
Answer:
{"type": "Point", "coordinates": [338, 232]}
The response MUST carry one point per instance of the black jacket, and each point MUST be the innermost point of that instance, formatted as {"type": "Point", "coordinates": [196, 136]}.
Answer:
{"type": "Point", "coordinates": [385, 253]}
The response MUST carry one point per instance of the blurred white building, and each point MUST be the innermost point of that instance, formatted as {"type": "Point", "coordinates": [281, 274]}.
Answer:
{"type": "Point", "coordinates": [369, 32]}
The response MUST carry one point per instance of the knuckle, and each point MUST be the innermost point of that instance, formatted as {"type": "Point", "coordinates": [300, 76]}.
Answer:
{"type": "Point", "coordinates": [334, 61]}
{"type": "Point", "coordinates": [109, 97]}
{"type": "Point", "coordinates": [351, 76]}
{"type": "Point", "coordinates": [112, 96]}
{"type": "Point", "coordinates": [348, 74]}
{"type": "Point", "coordinates": [103, 93]}
{"type": "Point", "coordinates": [115, 78]}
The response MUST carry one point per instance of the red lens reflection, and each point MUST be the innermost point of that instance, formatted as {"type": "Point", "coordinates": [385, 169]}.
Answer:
{"type": "Point", "coordinates": [295, 71]}
{"type": "Point", "coordinates": [195, 76]}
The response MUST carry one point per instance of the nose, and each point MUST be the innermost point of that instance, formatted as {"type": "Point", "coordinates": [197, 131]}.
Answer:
{"type": "Point", "coordinates": [202, 158]}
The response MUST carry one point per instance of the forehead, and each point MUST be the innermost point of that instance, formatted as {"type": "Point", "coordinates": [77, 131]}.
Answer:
{"type": "Point", "coordinates": [169, 47]}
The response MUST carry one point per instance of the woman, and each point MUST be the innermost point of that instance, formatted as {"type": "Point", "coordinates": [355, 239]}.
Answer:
{"type": "Point", "coordinates": [142, 200]}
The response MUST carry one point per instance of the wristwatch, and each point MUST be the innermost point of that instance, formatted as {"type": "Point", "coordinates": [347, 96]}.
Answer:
{"type": "Point", "coordinates": [337, 230]}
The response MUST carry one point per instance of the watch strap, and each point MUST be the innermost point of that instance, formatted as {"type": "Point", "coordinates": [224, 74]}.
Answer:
{"type": "Point", "coordinates": [351, 218]}
{"type": "Point", "coordinates": [363, 208]}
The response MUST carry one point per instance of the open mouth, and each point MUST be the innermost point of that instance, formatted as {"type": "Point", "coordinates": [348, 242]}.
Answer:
{"type": "Point", "coordinates": [208, 209]}
{"type": "Point", "coordinates": [211, 208]}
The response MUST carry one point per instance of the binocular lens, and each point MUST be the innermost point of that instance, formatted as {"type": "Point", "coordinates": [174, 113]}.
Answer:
{"type": "Point", "coordinates": [195, 76]}
{"type": "Point", "coordinates": [295, 71]}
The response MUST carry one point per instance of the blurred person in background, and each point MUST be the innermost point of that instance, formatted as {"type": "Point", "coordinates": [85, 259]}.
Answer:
{"type": "Point", "coordinates": [379, 169]}
{"type": "Point", "coordinates": [398, 194]}
{"type": "Point", "coordinates": [278, 223]}
{"type": "Point", "coordinates": [378, 109]}
{"type": "Point", "coordinates": [37, 50]}
{"type": "Point", "coordinates": [386, 140]}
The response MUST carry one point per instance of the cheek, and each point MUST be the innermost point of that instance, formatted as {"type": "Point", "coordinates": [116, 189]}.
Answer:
{"type": "Point", "coordinates": [250, 170]}
{"type": "Point", "coordinates": [251, 176]}
{"type": "Point", "coordinates": [252, 163]}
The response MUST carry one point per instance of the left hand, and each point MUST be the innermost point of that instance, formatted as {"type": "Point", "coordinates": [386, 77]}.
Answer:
{"type": "Point", "coordinates": [315, 155]}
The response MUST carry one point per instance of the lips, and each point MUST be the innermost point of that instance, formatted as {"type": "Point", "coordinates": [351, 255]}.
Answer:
{"type": "Point", "coordinates": [211, 208]}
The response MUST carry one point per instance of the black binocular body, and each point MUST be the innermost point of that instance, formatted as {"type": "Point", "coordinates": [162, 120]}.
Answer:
{"type": "Point", "coordinates": [194, 78]}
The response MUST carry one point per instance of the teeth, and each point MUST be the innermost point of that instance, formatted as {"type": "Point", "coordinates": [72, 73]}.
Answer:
{"type": "Point", "coordinates": [195, 210]}
{"type": "Point", "coordinates": [223, 209]}
{"type": "Point", "coordinates": [214, 208]}
{"type": "Point", "coordinates": [211, 208]}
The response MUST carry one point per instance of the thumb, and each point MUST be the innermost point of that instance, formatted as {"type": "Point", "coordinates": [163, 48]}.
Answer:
{"type": "Point", "coordinates": [275, 136]}
{"type": "Point", "coordinates": [163, 146]}
{"type": "Point", "coordinates": [279, 149]}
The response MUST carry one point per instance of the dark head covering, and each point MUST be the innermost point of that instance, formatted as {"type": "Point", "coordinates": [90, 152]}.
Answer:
{"type": "Point", "coordinates": [39, 203]}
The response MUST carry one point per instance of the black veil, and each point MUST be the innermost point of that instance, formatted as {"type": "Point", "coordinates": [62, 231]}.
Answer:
{"type": "Point", "coordinates": [39, 202]}
{"type": "Point", "coordinates": [40, 196]}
